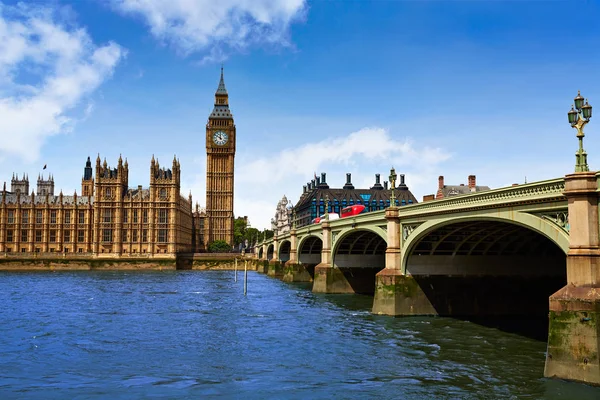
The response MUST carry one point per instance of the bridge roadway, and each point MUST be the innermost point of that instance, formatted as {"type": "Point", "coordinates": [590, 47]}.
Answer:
{"type": "Point", "coordinates": [506, 251]}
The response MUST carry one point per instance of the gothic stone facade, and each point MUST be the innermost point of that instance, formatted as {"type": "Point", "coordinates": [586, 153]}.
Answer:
{"type": "Point", "coordinates": [282, 222]}
{"type": "Point", "coordinates": [220, 154]}
{"type": "Point", "coordinates": [110, 220]}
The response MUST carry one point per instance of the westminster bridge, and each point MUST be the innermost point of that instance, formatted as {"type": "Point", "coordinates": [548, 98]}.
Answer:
{"type": "Point", "coordinates": [509, 251]}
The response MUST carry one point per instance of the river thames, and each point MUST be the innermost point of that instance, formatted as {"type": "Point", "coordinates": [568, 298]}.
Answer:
{"type": "Point", "coordinates": [190, 334]}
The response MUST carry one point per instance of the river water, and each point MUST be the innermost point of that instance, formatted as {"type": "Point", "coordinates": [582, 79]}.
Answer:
{"type": "Point", "coordinates": [191, 334]}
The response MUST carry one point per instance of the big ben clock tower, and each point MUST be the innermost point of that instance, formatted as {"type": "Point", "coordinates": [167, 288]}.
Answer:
{"type": "Point", "coordinates": [220, 153]}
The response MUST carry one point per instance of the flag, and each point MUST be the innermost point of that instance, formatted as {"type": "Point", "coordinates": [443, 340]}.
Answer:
{"type": "Point", "coordinates": [44, 166]}
{"type": "Point", "coordinates": [315, 176]}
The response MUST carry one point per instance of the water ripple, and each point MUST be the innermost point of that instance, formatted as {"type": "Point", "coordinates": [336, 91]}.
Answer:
{"type": "Point", "coordinates": [189, 334]}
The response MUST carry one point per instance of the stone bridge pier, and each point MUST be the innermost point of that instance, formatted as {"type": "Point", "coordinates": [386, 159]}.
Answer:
{"type": "Point", "coordinates": [300, 267]}
{"type": "Point", "coordinates": [574, 318]}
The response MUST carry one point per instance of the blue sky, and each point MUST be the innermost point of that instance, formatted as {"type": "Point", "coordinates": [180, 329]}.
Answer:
{"type": "Point", "coordinates": [433, 88]}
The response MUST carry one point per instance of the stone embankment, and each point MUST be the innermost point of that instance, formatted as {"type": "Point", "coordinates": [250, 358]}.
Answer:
{"type": "Point", "coordinates": [87, 262]}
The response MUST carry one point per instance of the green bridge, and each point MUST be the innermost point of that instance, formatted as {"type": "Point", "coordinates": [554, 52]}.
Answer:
{"type": "Point", "coordinates": [516, 251]}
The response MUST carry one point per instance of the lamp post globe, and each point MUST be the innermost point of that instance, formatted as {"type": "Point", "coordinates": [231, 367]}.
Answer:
{"type": "Point", "coordinates": [578, 101]}
{"type": "Point", "coordinates": [572, 116]}
{"type": "Point", "coordinates": [586, 110]}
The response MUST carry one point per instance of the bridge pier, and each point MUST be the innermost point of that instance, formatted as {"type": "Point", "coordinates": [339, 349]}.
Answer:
{"type": "Point", "coordinates": [400, 294]}
{"type": "Point", "coordinates": [327, 278]}
{"type": "Point", "coordinates": [262, 265]}
{"type": "Point", "coordinates": [293, 271]}
{"type": "Point", "coordinates": [274, 268]}
{"type": "Point", "coordinates": [395, 292]}
{"type": "Point", "coordinates": [574, 318]}
{"type": "Point", "coordinates": [296, 273]}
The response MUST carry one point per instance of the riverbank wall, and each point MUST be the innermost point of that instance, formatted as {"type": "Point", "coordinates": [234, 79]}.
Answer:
{"type": "Point", "coordinates": [78, 262]}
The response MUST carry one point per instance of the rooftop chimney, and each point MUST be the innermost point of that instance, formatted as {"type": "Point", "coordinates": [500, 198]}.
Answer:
{"type": "Point", "coordinates": [377, 185]}
{"type": "Point", "coordinates": [472, 182]}
{"type": "Point", "coordinates": [402, 185]}
{"type": "Point", "coordinates": [441, 182]}
{"type": "Point", "coordinates": [385, 185]}
{"type": "Point", "coordinates": [323, 183]}
{"type": "Point", "coordinates": [348, 184]}
{"type": "Point", "coordinates": [304, 189]}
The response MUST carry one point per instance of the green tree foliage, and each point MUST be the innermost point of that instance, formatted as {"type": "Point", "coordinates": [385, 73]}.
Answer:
{"type": "Point", "coordinates": [239, 231]}
{"type": "Point", "coordinates": [219, 246]}
{"type": "Point", "coordinates": [252, 235]}
{"type": "Point", "coordinates": [242, 232]}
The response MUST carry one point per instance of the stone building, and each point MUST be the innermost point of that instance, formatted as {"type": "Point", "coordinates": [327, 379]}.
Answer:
{"type": "Point", "coordinates": [455, 190]}
{"type": "Point", "coordinates": [110, 220]}
{"type": "Point", "coordinates": [220, 155]}
{"type": "Point", "coordinates": [312, 201]}
{"type": "Point", "coordinates": [282, 221]}
{"type": "Point", "coordinates": [199, 244]}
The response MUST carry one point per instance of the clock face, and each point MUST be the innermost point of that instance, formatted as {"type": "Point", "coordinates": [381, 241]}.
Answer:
{"type": "Point", "coordinates": [220, 138]}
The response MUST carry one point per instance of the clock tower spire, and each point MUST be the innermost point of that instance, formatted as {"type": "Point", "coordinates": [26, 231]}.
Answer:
{"type": "Point", "coordinates": [220, 154]}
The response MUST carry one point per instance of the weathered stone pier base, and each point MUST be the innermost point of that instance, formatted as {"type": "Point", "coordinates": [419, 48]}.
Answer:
{"type": "Point", "coordinates": [330, 280]}
{"type": "Point", "coordinates": [398, 294]}
{"type": "Point", "coordinates": [464, 295]}
{"type": "Point", "coordinates": [574, 318]}
{"type": "Point", "coordinates": [262, 266]}
{"type": "Point", "coordinates": [275, 269]}
{"type": "Point", "coordinates": [297, 273]}
{"type": "Point", "coordinates": [574, 335]}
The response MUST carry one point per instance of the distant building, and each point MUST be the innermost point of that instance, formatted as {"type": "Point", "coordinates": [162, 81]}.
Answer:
{"type": "Point", "coordinates": [282, 222]}
{"type": "Point", "coordinates": [312, 201]}
{"type": "Point", "coordinates": [198, 229]}
{"type": "Point", "coordinates": [445, 191]}
{"type": "Point", "coordinates": [110, 218]}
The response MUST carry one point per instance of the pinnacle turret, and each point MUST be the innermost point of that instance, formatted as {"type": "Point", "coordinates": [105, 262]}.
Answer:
{"type": "Point", "coordinates": [221, 89]}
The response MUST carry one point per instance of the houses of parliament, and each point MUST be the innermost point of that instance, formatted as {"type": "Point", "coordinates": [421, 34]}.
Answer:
{"type": "Point", "coordinates": [111, 219]}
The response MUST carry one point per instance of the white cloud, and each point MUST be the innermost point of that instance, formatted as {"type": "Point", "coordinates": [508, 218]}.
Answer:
{"type": "Point", "coordinates": [46, 68]}
{"type": "Point", "coordinates": [261, 182]}
{"type": "Point", "coordinates": [213, 26]}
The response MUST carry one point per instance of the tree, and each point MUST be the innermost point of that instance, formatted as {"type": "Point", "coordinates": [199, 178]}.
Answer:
{"type": "Point", "coordinates": [239, 231]}
{"type": "Point", "coordinates": [252, 235]}
{"type": "Point", "coordinates": [219, 246]}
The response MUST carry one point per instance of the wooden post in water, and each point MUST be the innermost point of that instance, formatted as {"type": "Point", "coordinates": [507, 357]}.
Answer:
{"type": "Point", "coordinates": [245, 277]}
{"type": "Point", "coordinates": [235, 271]}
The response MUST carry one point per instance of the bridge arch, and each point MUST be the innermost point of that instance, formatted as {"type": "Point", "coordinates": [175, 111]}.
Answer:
{"type": "Point", "coordinates": [341, 239]}
{"type": "Point", "coordinates": [270, 251]}
{"type": "Point", "coordinates": [524, 220]}
{"type": "Point", "coordinates": [506, 264]}
{"type": "Point", "coordinates": [284, 250]}
{"type": "Point", "coordinates": [302, 239]}
{"type": "Point", "coordinates": [360, 254]}
{"type": "Point", "coordinates": [309, 249]}
{"type": "Point", "coordinates": [260, 252]}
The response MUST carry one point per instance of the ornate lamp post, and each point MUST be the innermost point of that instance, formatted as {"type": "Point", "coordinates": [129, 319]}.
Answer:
{"type": "Point", "coordinates": [293, 218]}
{"type": "Point", "coordinates": [579, 116]}
{"type": "Point", "coordinates": [393, 186]}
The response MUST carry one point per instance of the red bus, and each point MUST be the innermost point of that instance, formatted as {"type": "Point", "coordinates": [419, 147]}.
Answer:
{"type": "Point", "coordinates": [352, 210]}
{"type": "Point", "coordinates": [332, 216]}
